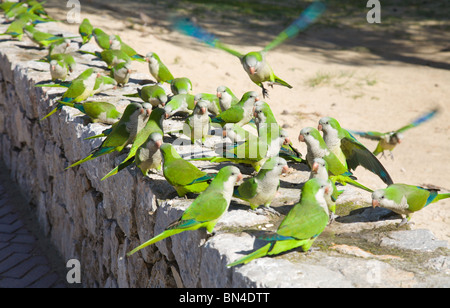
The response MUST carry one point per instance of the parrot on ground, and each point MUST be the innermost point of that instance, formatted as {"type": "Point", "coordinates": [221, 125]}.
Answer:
{"type": "Point", "coordinates": [124, 132]}
{"type": "Point", "coordinates": [85, 29]}
{"type": "Point", "coordinates": [212, 100]}
{"type": "Point", "coordinates": [301, 226]}
{"type": "Point", "coordinates": [182, 85]}
{"type": "Point", "coordinates": [58, 70]}
{"type": "Point", "coordinates": [255, 62]}
{"type": "Point", "coordinates": [198, 123]}
{"type": "Point", "coordinates": [319, 170]}
{"type": "Point", "coordinates": [262, 189]}
{"type": "Point", "coordinates": [350, 151]}
{"type": "Point", "coordinates": [43, 39]}
{"type": "Point", "coordinates": [227, 99]}
{"type": "Point", "coordinates": [205, 210]}
{"type": "Point", "coordinates": [157, 68]}
{"type": "Point", "coordinates": [180, 103]}
{"type": "Point", "coordinates": [181, 174]}
{"type": "Point", "coordinates": [241, 113]}
{"type": "Point", "coordinates": [153, 94]}
{"type": "Point", "coordinates": [98, 112]}
{"type": "Point", "coordinates": [148, 156]}
{"type": "Point", "coordinates": [316, 148]}
{"type": "Point", "coordinates": [121, 73]}
{"type": "Point", "coordinates": [389, 140]}
{"type": "Point", "coordinates": [406, 199]}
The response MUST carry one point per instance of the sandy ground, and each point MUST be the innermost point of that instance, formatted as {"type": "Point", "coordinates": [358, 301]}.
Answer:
{"type": "Point", "coordinates": [365, 79]}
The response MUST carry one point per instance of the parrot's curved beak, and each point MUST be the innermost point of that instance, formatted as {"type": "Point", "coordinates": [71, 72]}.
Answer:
{"type": "Point", "coordinates": [319, 128]}
{"type": "Point", "coordinates": [252, 70]}
{"type": "Point", "coordinates": [315, 167]}
{"type": "Point", "coordinates": [219, 94]}
{"type": "Point", "coordinates": [129, 71]}
{"type": "Point", "coordinates": [149, 112]}
{"type": "Point", "coordinates": [166, 115]}
{"type": "Point", "coordinates": [375, 203]}
{"type": "Point", "coordinates": [240, 177]}
{"type": "Point", "coordinates": [287, 141]}
{"type": "Point", "coordinates": [285, 169]}
{"type": "Point", "coordinates": [53, 67]}
{"type": "Point", "coordinates": [256, 99]}
{"type": "Point", "coordinates": [224, 133]}
{"type": "Point", "coordinates": [158, 143]}
{"type": "Point", "coordinates": [301, 138]}
{"type": "Point", "coordinates": [203, 110]}
{"type": "Point", "coordinates": [327, 190]}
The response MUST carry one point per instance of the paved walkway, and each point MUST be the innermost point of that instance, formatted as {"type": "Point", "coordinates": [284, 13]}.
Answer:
{"type": "Point", "coordinates": [26, 258]}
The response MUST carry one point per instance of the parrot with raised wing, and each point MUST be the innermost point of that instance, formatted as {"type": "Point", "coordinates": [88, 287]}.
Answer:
{"type": "Point", "coordinates": [389, 140]}
{"type": "Point", "coordinates": [206, 209]}
{"type": "Point", "coordinates": [255, 62]}
{"type": "Point", "coordinates": [406, 199]}
{"type": "Point", "coordinates": [350, 151]}
{"type": "Point", "coordinates": [301, 226]}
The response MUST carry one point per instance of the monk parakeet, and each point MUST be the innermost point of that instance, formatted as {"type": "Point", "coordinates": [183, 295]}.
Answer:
{"type": "Point", "coordinates": [255, 63]}
{"type": "Point", "coordinates": [180, 103]}
{"type": "Point", "coordinates": [148, 155]}
{"type": "Point", "coordinates": [261, 189]}
{"type": "Point", "coordinates": [66, 58]}
{"type": "Point", "coordinates": [406, 199]}
{"type": "Point", "coordinates": [85, 30]}
{"type": "Point", "coordinates": [317, 148]}
{"type": "Point", "coordinates": [59, 47]}
{"type": "Point", "coordinates": [102, 112]}
{"type": "Point", "coordinates": [43, 39]}
{"type": "Point", "coordinates": [212, 100]}
{"type": "Point", "coordinates": [58, 70]}
{"type": "Point", "coordinates": [80, 89]}
{"type": "Point", "coordinates": [198, 122]}
{"type": "Point", "coordinates": [241, 113]}
{"type": "Point", "coordinates": [206, 209]}
{"type": "Point", "coordinates": [226, 98]}
{"type": "Point", "coordinates": [154, 124]}
{"type": "Point", "coordinates": [124, 132]}
{"type": "Point", "coordinates": [350, 151]}
{"type": "Point", "coordinates": [116, 43]}
{"type": "Point", "coordinates": [101, 38]}
{"type": "Point", "coordinates": [181, 174]}
{"type": "Point", "coordinates": [154, 94]}
{"type": "Point", "coordinates": [157, 68]}
{"type": "Point", "coordinates": [319, 170]}
{"type": "Point", "coordinates": [121, 73]}
{"type": "Point", "coordinates": [182, 85]}
{"type": "Point", "coordinates": [238, 134]}
{"type": "Point", "coordinates": [301, 226]}
{"type": "Point", "coordinates": [388, 141]}
{"type": "Point", "coordinates": [104, 83]}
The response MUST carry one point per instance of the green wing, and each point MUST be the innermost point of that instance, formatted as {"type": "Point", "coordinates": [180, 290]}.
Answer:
{"type": "Point", "coordinates": [181, 172]}
{"type": "Point", "coordinates": [207, 207]}
{"type": "Point", "coordinates": [248, 189]}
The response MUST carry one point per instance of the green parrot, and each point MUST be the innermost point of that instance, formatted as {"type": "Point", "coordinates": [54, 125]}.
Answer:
{"type": "Point", "coordinates": [255, 63]}
{"type": "Point", "coordinates": [199, 122]}
{"type": "Point", "coordinates": [319, 170]}
{"type": "Point", "coordinates": [388, 141]}
{"type": "Point", "coordinates": [148, 156]}
{"type": "Point", "coordinates": [157, 68]}
{"type": "Point", "coordinates": [238, 134]}
{"type": "Point", "coordinates": [261, 189]}
{"type": "Point", "coordinates": [180, 103]}
{"type": "Point", "coordinates": [68, 60]}
{"type": "Point", "coordinates": [116, 43]}
{"type": "Point", "coordinates": [181, 174]}
{"type": "Point", "coordinates": [350, 151]}
{"type": "Point", "coordinates": [121, 73]}
{"type": "Point", "coordinates": [43, 39]}
{"type": "Point", "coordinates": [182, 85]}
{"type": "Point", "coordinates": [212, 100]}
{"type": "Point", "coordinates": [154, 94]}
{"type": "Point", "coordinates": [226, 97]}
{"type": "Point", "coordinates": [206, 209]}
{"type": "Point", "coordinates": [79, 90]}
{"type": "Point", "coordinates": [98, 112]}
{"type": "Point", "coordinates": [85, 31]}
{"type": "Point", "coordinates": [124, 132]}
{"type": "Point", "coordinates": [113, 57]}
{"type": "Point", "coordinates": [301, 226]}
{"type": "Point", "coordinates": [101, 38]}
{"type": "Point", "coordinates": [58, 70]}
{"type": "Point", "coordinates": [406, 199]}
{"type": "Point", "coordinates": [58, 47]}
{"type": "Point", "coordinates": [154, 124]}
{"type": "Point", "coordinates": [241, 113]}
{"type": "Point", "coordinates": [317, 148]}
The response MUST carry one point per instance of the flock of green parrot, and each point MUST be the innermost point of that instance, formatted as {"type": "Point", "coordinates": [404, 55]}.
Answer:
{"type": "Point", "coordinates": [331, 155]}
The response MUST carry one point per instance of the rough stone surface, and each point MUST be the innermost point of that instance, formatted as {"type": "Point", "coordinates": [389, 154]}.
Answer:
{"type": "Point", "coordinates": [97, 222]}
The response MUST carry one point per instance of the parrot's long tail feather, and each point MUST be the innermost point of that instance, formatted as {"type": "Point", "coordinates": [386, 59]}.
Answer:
{"type": "Point", "coordinates": [157, 238]}
{"type": "Point", "coordinates": [347, 180]}
{"type": "Point", "coordinates": [50, 113]}
{"type": "Point", "coordinates": [254, 255]}
{"type": "Point", "coordinates": [441, 196]}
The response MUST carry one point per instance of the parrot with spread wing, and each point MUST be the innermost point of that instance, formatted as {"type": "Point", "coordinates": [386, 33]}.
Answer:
{"type": "Point", "coordinates": [301, 226]}
{"type": "Point", "coordinates": [206, 209]}
{"type": "Point", "coordinates": [388, 141]}
{"type": "Point", "coordinates": [255, 62]}
{"type": "Point", "coordinates": [406, 199]}
{"type": "Point", "coordinates": [350, 151]}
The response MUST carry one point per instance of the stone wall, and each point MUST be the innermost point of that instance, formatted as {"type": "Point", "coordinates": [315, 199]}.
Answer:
{"type": "Point", "coordinates": [97, 222]}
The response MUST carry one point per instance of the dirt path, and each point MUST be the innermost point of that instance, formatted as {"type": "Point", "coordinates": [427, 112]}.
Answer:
{"type": "Point", "coordinates": [369, 77]}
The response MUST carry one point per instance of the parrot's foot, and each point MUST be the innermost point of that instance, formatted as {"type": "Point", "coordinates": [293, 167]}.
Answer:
{"type": "Point", "coordinates": [271, 210]}
{"type": "Point", "coordinates": [265, 210]}
{"type": "Point", "coordinates": [405, 221]}
{"type": "Point", "coordinates": [333, 217]}
{"type": "Point", "coordinates": [312, 250]}
{"type": "Point", "coordinates": [265, 93]}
